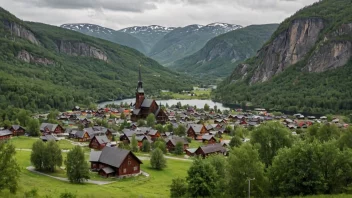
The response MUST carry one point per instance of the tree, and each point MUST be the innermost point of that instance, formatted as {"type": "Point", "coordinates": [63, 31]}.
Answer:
{"type": "Point", "coordinates": [161, 144]}
{"type": "Point", "coordinates": [122, 116]}
{"type": "Point", "coordinates": [157, 159]}
{"type": "Point", "coordinates": [324, 132]}
{"type": "Point", "coordinates": [159, 128]}
{"type": "Point", "coordinates": [244, 164]}
{"type": "Point", "coordinates": [201, 179]}
{"type": "Point", "coordinates": [220, 165]}
{"type": "Point", "coordinates": [235, 141]}
{"type": "Point", "coordinates": [206, 107]}
{"type": "Point", "coordinates": [145, 146]}
{"type": "Point", "coordinates": [179, 148]}
{"type": "Point", "coordinates": [9, 169]}
{"type": "Point", "coordinates": [180, 130]}
{"type": "Point", "coordinates": [6, 124]}
{"type": "Point", "coordinates": [151, 120]}
{"type": "Point", "coordinates": [345, 140]}
{"type": "Point", "coordinates": [37, 155]}
{"type": "Point", "coordinates": [46, 156]}
{"type": "Point", "coordinates": [178, 188]}
{"type": "Point", "coordinates": [53, 156]}
{"type": "Point", "coordinates": [76, 165]}
{"type": "Point", "coordinates": [33, 127]}
{"type": "Point", "coordinates": [140, 123]}
{"type": "Point", "coordinates": [311, 168]}
{"type": "Point", "coordinates": [271, 137]}
{"type": "Point", "coordinates": [169, 128]}
{"type": "Point", "coordinates": [134, 143]}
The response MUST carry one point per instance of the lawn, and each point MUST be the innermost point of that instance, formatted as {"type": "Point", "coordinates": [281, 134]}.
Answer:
{"type": "Point", "coordinates": [157, 185]}
{"type": "Point", "coordinates": [23, 142]}
{"type": "Point", "coordinates": [195, 144]}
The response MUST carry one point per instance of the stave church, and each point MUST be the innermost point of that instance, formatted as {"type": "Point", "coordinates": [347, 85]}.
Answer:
{"type": "Point", "coordinates": [144, 106]}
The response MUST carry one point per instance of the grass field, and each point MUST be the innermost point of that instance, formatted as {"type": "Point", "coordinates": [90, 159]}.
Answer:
{"type": "Point", "coordinates": [197, 94]}
{"type": "Point", "coordinates": [157, 185]}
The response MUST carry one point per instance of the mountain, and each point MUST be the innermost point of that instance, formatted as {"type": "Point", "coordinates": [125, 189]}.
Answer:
{"type": "Point", "coordinates": [184, 41]}
{"type": "Point", "coordinates": [107, 34]}
{"type": "Point", "coordinates": [149, 35]}
{"type": "Point", "coordinates": [221, 54]}
{"type": "Point", "coordinates": [44, 67]}
{"type": "Point", "coordinates": [306, 65]}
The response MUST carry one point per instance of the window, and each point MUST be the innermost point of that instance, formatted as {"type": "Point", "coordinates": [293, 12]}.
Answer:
{"type": "Point", "coordinates": [124, 170]}
{"type": "Point", "coordinates": [135, 168]}
{"type": "Point", "coordinates": [129, 162]}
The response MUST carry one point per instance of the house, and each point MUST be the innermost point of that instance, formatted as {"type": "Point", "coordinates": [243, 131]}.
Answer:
{"type": "Point", "coordinates": [49, 137]}
{"type": "Point", "coordinates": [83, 136]}
{"type": "Point", "coordinates": [153, 134]}
{"type": "Point", "coordinates": [225, 143]}
{"type": "Point", "coordinates": [99, 142]}
{"type": "Point", "coordinates": [172, 141]}
{"type": "Point", "coordinates": [17, 130]}
{"type": "Point", "coordinates": [207, 139]}
{"type": "Point", "coordinates": [48, 128]}
{"type": "Point", "coordinates": [210, 149]}
{"type": "Point", "coordinates": [5, 134]}
{"type": "Point", "coordinates": [190, 151]}
{"type": "Point", "coordinates": [143, 107]}
{"type": "Point", "coordinates": [113, 161]}
{"type": "Point", "coordinates": [194, 130]}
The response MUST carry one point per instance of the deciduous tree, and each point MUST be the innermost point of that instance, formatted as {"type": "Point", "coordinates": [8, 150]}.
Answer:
{"type": "Point", "coordinates": [178, 188]}
{"type": "Point", "coordinates": [134, 143]}
{"type": "Point", "coordinates": [151, 120]}
{"type": "Point", "coordinates": [9, 169]}
{"type": "Point", "coordinates": [76, 165]}
{"type": "Point", "coordinates": [157, 159]}
{"type": "Point", "coordinates": [179, 148]}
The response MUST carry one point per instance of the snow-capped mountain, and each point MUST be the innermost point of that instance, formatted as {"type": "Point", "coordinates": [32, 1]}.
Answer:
{"type": "Point", "coordinates": [184, 41]}
{"type": "Point", "coordinates": [149, 35]}
{"type": "Point", "coordinates": [107, 34]}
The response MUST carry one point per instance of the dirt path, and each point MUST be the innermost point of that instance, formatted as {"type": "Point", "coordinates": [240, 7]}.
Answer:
{"type": "Point", "coordinates": [147, 157]}
{"type": "Point", "coordinates": [31, 168]}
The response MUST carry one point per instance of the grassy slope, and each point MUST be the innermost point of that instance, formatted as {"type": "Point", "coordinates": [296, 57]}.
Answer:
{"type": "Point", "coordinates": [73, 80]}
{"type": "Point", "coordinates": [216, 57]}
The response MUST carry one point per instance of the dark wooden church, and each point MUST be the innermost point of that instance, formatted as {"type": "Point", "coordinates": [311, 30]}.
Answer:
{"type": "Point", "coordinates": [143, 106]}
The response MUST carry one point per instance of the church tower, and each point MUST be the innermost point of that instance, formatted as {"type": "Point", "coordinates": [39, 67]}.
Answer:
{"type": "Point", "coordinates": [139, 91]}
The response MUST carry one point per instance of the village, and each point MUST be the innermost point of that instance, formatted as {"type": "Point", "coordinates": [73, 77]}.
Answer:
{"type": "Point", "coordinates": [109, 132]}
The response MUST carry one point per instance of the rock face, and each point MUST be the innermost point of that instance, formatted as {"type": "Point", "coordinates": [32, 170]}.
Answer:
{"type": "Point", "coordinates": [74, 48]}
{"type": "Point", "coordinates": [288, 48]}
{"type": "Point", "coordinates": [20, 31]}
{"type": "Point", "coordinates": [28, 58]}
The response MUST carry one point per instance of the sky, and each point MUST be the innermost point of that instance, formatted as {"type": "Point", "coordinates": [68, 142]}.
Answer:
{"type": "Point", "coordinates": [118, 14]}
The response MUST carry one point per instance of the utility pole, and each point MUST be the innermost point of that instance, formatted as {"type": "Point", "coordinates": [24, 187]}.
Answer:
{"type": "Point", "coordinates": [249, 187]}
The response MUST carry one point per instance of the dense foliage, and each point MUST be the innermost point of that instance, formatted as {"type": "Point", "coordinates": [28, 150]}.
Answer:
{"type": "Point", "coordinates": [294, 89]}
{"type": "Point", "coordinates": [9, 169]}
{"type": "Point", "coordinates": [46, 156]}
{"type": "Point", "coordinates": [221, 54]}
{"type": "Point", "coordinates": [76, 165]}
{"type": "Point", "coordinates": [72, 80]}
{"type": "Point", "coordinates": [157, 159]}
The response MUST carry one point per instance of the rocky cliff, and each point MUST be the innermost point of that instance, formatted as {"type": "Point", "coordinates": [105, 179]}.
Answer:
{"type": "Point", "coordinates": [20, 31]}
{"type": "Point", "coordinates": [75, 48]}
{"type": "Point", "coordinates": [29, 58]}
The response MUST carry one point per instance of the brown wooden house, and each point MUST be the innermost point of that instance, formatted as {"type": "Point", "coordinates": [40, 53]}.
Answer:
{"type": "Point", "coordinates": [17, 130]}
{"type": "Point", "coordinates": [207, 139]}
{"type": "Point", "coordinates": [210, 149]}
{"type": "Point", "coordinates": [171, 143]}
{"type": "Point", "coordinates": [48, 128]}
{"type": "Point", "coordinates": [5, 134]}
{"type": "Point", "coordinates": [83, 136]}
{"type": "Point", "coordinates": [153, 134]}
{"type": "Point", "coordinates": [98, 142]}
{"type": "Point", "coordinates": [194, 130]}
{"type": "Point", "coordinates": [113, 161]}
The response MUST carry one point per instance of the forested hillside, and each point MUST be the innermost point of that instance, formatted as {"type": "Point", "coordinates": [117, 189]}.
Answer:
{"type": "Point", "coordinates": [221, 54]}
{"type": "Point", "coordinates": [305, 66]}
{"type": "Point", "coordinates": [43, 67]}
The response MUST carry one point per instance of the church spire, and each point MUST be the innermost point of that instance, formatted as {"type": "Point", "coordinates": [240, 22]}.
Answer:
{"type": "Point", "coordinates": [140, 83]}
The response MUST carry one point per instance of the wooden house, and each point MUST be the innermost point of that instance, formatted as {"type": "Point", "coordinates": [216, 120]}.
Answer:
{"type": "Point", "coordinates": [83, 136]}
{"type": "Point", "coordinates": [207, 139]}
{"type": "Point", "coordinates": [113, 161]}
{"type": "Point", "coordinates": [17, 130]}
{"type": "Point", "coordinates": [194, 130]}
{"type": "Point", "coordinates": [210, 149]}
{"type": "Point", "coordinates": [153, 134]}
{"type": "Point", "coordinates": [98, 142]}
{"type": "Point", "coordinates": [49, 137]}
{"type": "Point", "coordinates": [5, 134]}
{"type": "Point", "coordinates": [48, 128]}
{"type": "Point", "coordinates": [171, 143]}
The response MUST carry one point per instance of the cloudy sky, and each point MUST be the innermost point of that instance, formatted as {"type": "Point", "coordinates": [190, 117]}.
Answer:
{"type": "Point", "coordinates": [119, 14]}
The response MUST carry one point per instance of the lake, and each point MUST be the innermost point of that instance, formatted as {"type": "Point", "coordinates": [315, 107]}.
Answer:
{"type": "Point", "coordinates": [199, 103]}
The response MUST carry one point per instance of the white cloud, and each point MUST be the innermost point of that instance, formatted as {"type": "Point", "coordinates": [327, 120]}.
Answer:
{"type": "Point", "coordinates": [118, 14]}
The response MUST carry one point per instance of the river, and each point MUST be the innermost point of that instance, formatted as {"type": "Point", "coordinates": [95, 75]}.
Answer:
{"type": "Point", "coordinates": [199, 103]}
